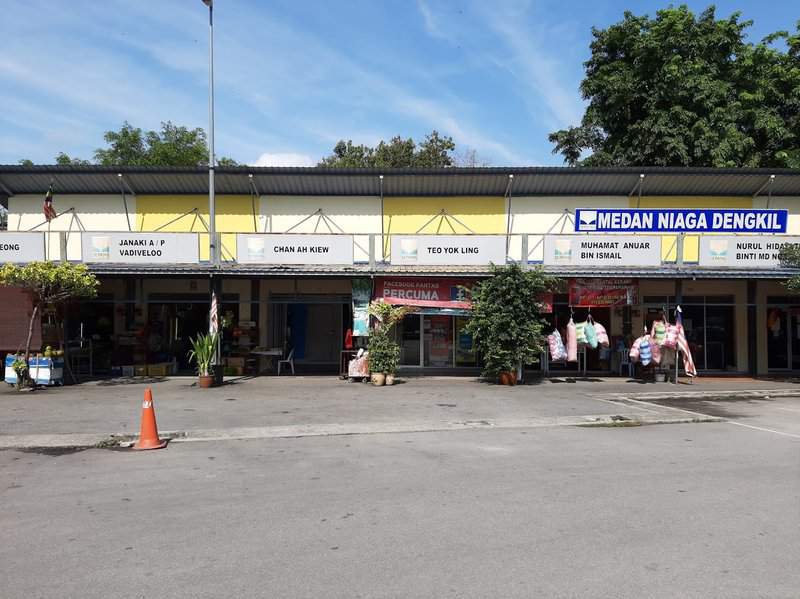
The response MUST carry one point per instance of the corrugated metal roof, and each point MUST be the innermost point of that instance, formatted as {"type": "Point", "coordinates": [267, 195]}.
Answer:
{"type": "Point", "coordinates": [543, 181]}
{"type": "Point", "coordinates": [251, 270]}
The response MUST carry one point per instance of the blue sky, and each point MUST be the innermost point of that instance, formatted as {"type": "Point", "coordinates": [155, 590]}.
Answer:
{"type": "Point", "coordinates": [293, 77]}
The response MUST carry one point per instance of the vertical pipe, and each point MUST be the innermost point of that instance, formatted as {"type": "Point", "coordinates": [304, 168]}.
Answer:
{"type": "Point", "coordinates": [211, 199]}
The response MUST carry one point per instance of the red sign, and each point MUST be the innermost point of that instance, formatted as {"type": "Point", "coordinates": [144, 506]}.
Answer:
{"type": "Point", "coordinates": [424, 292]}
{"type": "Point", "coordinates": [598, 293]}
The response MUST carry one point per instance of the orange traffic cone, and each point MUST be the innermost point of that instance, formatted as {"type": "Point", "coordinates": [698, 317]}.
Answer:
{"type": "Point", "coordinates": [148, 436]}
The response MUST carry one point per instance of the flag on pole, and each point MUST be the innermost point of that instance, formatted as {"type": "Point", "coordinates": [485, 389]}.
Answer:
{"type": "Point", "coordinates": [214, 315]}
{"type": "Point", "coordinates": [683, 344]}
{"type": "Point", "coordinates": [47, 207]}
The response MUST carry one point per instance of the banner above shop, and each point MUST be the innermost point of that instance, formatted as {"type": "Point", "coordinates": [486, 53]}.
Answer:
{"type": "Point", "coordinates": [744, 251]}
{"type": "Point", "coordinates": [140, 248]}
{"type": "Point", "coordinates": [602, 250]}
{"type": "Point", "coordinates": [21, 247]}
{"type": "Point", "coordinates": [448, 250]}
{"type": "Point", "coordinates": [599, 293]}
{"type": "Point", "coordinates": [624, 220]}
{"type": "Point", "coordinates": [290, 248]}
{"type": "Point", "coordinates": [424, 292]}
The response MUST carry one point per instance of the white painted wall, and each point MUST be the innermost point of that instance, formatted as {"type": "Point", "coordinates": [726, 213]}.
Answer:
{"type": "Point", "coordinates": [105, 212]}
{"type": "Point", "coordinates": [357, 215]}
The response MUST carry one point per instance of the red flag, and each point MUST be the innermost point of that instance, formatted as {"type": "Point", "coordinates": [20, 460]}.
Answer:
{"type": "Point", "coordinates": [47, 207]}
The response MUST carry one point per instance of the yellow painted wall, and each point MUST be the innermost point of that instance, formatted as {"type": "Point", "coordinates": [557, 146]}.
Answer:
{"type": "Point", "coordinates": [234, 215]}
{"type": "Point", "coordinates": [691, 243]}
{"type": "Point", "coordinates": [484, 215]}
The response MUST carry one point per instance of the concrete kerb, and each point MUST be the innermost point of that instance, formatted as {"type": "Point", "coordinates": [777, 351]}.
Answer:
{"type": "Point", "coordinates": [84, 441]}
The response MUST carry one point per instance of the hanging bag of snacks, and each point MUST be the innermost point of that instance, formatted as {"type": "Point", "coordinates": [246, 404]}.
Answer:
{"type": "Point", "coordinates": [602, 335]}
{"type": "Point", "coordinates": [572, 342]}
{"type": "Point", "coordinates": [558, 352]}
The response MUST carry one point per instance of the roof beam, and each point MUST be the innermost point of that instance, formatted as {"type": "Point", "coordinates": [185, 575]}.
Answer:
{"type": "Point", "coordinates": [768, 183]}
{"type": "Point", "coordinates": [638, 186]}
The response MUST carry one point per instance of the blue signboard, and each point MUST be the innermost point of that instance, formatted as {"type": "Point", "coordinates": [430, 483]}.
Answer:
{"type": "Point", "coordinates": [625, 220]}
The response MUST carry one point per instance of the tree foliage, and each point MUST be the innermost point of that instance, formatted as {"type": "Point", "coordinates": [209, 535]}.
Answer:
{"type": "Point", "coordinates": [432, 152]}
{"type": "Point", "coordinates": [48, 284]}
{"type": "Point", "coordinates": [172, 145]}
{"type": "Point", "coordinates": [790, 256]}
{"type": "Point", "coordinates": [506, 321]}
{"type": "Point", "coordinates": [686, 90]}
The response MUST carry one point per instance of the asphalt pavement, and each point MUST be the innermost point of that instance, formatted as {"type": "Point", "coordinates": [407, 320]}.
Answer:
{"type": "Point", "coordinates": [677, 511]}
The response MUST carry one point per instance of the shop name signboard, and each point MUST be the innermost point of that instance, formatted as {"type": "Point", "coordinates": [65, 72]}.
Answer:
{"type": "Point", "coordinates": [21, 247]}
{"type": "Point", "coordinates": [417, 291]}
{"type": "Point", "coordinates": [744, 251]}
{"type": "Point", "coordinates": [279, 248]}
{"type": "Point", "coordinates": [602, 250]}
{"type": "Point", "coordinates": [623, 220]}
{"type": "Point", "coordinates": [140, 248]}
{"type": "Point", "coordinates": [594, 293]}
{"type": "Point", "coordinates": [450, 250]}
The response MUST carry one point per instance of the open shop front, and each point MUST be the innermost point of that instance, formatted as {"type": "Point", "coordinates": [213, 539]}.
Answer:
{"type": "Point", "coordinates": [434, 336]}
{"type": "Point", "coordinates": [713, 320]}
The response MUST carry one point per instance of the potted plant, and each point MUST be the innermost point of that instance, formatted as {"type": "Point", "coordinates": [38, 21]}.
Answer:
{"type": "Point", "coordinates": [204, 347]}
{"type": "Point", "coordinates": [506, 321]}
{"type": "Point", "coordinates": [384, 352]}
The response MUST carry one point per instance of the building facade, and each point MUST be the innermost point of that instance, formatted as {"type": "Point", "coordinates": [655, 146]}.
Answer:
{"type": "Point", "coordinates": [302, 251]}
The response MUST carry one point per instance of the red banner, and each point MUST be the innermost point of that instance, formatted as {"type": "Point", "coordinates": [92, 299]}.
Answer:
{"type": "Point", "coordinates": [598, 293]}
{"type": "Point", "coordinates": [424, 292]}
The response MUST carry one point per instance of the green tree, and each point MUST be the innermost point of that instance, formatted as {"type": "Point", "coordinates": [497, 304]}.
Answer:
{"type": "Point", "coordinates": [49, 285]}
{"type": "Point", "coordinates": [25, 162]}
{"type": "Point", "coordinates": [172, 145]}
{"type": "Point", "coordinates": [506, 321]}
{"type": "Point", "coordinates": [686, 90]}
{"type": "Point", "coordinates": [65, 159]}
{"type": "Point", "coordinates": [432, 152]}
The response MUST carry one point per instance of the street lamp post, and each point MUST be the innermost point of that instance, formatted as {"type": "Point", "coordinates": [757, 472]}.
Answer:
{"type": "Point", "coordinates": [213, 253]}
{"type": "Point", "coordinates": [211, 199]}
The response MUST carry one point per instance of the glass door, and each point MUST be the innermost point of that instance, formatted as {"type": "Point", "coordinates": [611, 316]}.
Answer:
{"type": "Point", "coordinates": [777, 339]}
{"type": "Point", "coordinates": [438, 350]}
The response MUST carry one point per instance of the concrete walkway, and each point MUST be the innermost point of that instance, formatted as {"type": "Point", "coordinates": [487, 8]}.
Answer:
{"type": "Point", "coordinates": [107, 412]}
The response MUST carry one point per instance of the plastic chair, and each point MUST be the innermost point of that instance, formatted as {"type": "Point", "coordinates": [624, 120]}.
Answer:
{"type": "Point", "coordinates": [289, 360]}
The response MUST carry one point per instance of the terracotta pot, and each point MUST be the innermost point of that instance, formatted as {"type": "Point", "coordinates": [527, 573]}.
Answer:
{"type": "Point", "coordinates": [378, 378]}
{"type": "Point", "coordinates": [390, 379]}
{"type": "Point", "coordinates": [205, 381]}
{"type": "Point", "coordinates": [508, 378]}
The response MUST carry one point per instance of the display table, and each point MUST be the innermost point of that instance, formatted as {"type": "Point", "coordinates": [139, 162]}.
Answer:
{"type": "Point", "coordinates": [274, 354]}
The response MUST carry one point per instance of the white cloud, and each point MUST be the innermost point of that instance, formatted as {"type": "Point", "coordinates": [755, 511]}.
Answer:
{"type": "Point", "coordinates": [284, 159]}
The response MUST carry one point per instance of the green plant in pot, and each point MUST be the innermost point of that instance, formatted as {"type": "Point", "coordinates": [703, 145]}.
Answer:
{"type": "Point", "coordinates": [384, 352]}
{"type": "Point", "coordinates": [506, 321]}
{"type": "Point", "coordinates": [204, 348]}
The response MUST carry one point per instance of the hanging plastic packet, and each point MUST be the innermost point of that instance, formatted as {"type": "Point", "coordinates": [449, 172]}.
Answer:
{"type": "Point", "coordinates": [645, 351]}
{"type": "Point", "coordinates": [580, 332]}
{"type": "Point", "coordinates": [634, 353]}
{"type": "Point", "coordinates": [658, 332]}
{"type": "Point", "coordinates": [590, 333]}
{"type": "Point", "coordinates": [602, 335]}
{"type": "Point", "coordinates": [557, 350]}
{"type": "Point", "coordinates": [572, 342]}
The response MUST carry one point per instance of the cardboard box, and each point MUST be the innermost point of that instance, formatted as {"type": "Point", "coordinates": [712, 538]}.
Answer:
{"type": "Point", "coordinates": [161, 369]}
{"type": "Point", "coordinates": [235, 361]}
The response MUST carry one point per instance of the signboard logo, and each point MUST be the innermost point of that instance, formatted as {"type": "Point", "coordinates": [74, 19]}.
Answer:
{"type": "Point", "coordinates": [588, 220]}
{"type": "Point", "coordinates": [718, 250]}
{"type": "Point", "coordinates": [562, 251]}
{"type": "Point", "coordinates": [101, 248]}
{"type": "Point", "coordinates": [408, 249]}
{"type": "Point", "coordinates": [256, 249]}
